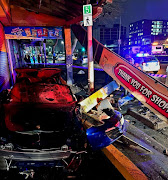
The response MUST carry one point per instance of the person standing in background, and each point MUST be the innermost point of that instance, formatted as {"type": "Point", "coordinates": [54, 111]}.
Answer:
{"type": "Point", "coordinates": [34, 60]}
{"type": "Point", "coordinates": [54, 57]}
{"type": "Point", "coordinates": [28, 57]}
{"type": "Point", "coordinates": [38, 58]}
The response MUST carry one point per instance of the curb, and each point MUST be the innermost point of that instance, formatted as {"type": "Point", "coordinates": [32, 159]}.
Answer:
{"type": "Point", "coordinates": [154, 124]}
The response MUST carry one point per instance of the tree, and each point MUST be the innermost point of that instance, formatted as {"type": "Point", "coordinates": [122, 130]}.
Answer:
{"type": "Point", "coordinates": [110, 12]}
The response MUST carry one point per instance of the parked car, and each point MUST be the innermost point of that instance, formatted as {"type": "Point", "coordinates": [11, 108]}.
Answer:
{"type": "Point", "coordinates": [74, 56]}
{"type": "Point", "coordinates": [61, 57]}
{"type": "Point", "coordinates": [84, 60]}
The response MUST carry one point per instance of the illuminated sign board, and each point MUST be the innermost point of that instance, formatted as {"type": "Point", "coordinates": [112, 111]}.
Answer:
{"type": "Point", "coordinates": [33, 32]}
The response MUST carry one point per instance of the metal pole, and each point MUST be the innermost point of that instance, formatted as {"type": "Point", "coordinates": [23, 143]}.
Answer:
{"type": "Point", "coordinates": [90, 61]}
{"type": "Point", "coordinates": [119, 37]}
{"type": "Point", "coordinates": [167, 76]}
{"type": "Point", "coordinates": [10, 62]}
{"type": "Point", "coordinates": [41, 51]}
{"type": "Point", "coordinates": [44, 47]}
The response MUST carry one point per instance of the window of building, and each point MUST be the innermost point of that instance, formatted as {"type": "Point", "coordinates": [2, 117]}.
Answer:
{"type": "Point", "coordinates": [159, 22]}
{"type": "Point", "coordinates": [159, 26]}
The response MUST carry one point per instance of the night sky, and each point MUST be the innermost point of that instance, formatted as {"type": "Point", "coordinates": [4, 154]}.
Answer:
{"type": "Point", "coordinates": [134, 10]}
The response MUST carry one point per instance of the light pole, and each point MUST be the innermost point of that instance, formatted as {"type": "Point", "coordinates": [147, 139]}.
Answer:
{"type": "Point", "coordinates": [119, 37]}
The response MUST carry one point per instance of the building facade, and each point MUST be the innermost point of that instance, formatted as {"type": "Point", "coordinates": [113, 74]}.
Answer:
{"type": "Point", "coordinates": [146, 32]}
{"type": "Point", "coordinates": [113, 38]}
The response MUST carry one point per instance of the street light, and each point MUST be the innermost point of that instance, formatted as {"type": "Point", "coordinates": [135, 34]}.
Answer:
{"type": "Point", "coordinates": [62, 42]}
{"type": "Point", "coordinates": [119, 37]}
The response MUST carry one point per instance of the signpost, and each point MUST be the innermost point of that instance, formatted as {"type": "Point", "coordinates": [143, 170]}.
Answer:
{"type": "Point", "coordinates": [87, 15]}
{"type": "Point", "coordinates": [87, 19]}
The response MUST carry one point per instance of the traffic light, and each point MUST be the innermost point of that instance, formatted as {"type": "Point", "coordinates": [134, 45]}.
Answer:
{"type": "Point", "coordinates": [83, 49]}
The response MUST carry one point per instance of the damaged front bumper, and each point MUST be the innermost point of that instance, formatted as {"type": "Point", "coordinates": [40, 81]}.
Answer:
{"type": "Point", "coordinates": [103, 133]}
{"type": "Point", "coordinates": [33, 157]}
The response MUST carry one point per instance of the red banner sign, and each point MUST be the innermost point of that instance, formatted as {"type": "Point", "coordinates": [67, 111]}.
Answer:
{"type": "Point", "coordinates": [142, 89]}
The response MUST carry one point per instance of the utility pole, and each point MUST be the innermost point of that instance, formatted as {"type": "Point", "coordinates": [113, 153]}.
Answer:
{"type": "Point", "coordinates": [119, 37]}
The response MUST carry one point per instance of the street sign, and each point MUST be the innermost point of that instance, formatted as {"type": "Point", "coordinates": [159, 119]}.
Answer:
{"type": "Point", "coordinates": [87, 9]}
{"type": "Point", "coordinates": [87, 21]}
{"type": "Point", "coordinates": [87, 15]}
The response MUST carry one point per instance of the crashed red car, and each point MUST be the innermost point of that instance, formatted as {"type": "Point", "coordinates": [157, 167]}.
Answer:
{"type": "Point", "coordinates": [37, 123]}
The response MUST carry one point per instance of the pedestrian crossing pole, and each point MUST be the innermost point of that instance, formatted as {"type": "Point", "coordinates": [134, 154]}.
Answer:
{"type": "Point", "coordinates": [87, 18]}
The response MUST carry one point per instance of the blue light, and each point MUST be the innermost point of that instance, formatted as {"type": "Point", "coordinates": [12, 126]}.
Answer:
{"type": "Point", "coordinates": [139, 55]}
{"type": "Point", "coordinates": [142, 55]}
{"type": "Point", "coordinates": [146, 54]}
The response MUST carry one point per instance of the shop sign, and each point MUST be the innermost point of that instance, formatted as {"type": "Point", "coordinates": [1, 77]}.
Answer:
{"type": "Point", "coordinates": [142, 89]}
{"type": "Point", "coordinates": [33, 32]}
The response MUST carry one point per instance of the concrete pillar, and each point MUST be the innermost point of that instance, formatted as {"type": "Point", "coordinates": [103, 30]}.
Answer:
{"type": "Point", "coordinates": [4, 67]}
{"type": "Point", "coordinates": [69, 61]}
